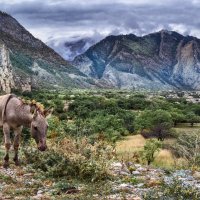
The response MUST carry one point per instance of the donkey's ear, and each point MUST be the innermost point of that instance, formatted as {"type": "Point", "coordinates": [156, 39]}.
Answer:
{"type": "Point", "coordinates": [35, 114]}
{"type": "Point", "coordinates": [33, 109]}
{"type": "Point", "coordinates": [48, 111]}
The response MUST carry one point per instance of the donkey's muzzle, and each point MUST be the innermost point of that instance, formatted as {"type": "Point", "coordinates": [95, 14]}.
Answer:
{"type": "Point", "coordinates": [42, 147]}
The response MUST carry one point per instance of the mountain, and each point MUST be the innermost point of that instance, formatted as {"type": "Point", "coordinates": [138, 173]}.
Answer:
{"type": "Point", "coordinates": [27, 63]}
{"type": "Point", "coordinates": [161, 60]}
{"type": "Point", "coordinates": [70, 49]}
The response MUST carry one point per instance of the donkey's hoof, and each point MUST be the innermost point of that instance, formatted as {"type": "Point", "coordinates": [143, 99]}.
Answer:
{"type": "Point", "coordinates": [17, 162]}
{"type": "Point", "coordinates": [6, 164]}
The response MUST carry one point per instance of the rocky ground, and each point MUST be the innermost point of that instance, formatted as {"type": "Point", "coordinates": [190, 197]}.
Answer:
{"type": "Point", "coordinates": [131, 183]}
{"type": "Point", "coordinates": [137, 180]}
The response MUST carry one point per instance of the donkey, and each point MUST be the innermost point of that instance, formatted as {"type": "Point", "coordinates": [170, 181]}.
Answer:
{"type": "Point", "coordinates": [14, 114]}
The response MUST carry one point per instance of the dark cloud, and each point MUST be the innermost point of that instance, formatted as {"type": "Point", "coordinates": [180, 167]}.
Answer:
{"type": "Point", "coordinates": [70, 19]}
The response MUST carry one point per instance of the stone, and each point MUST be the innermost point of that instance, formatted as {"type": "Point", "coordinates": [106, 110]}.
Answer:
{"type": "Point", "coordinates": [139, 185]}
{"type": "Point", "coordinates": [136, 173]}
{"type": "Point", "coordinates": [141, 169]}
{"type": "Point", "coordinates": [40, 192]}
{"type": "Point", "coordinates": [196, 175]}
{"type": "Point", "coordinates": [124, 173]}
{"type": "Point", "coordinates": [116, 165]}
{"type": "Point", "coordinates": [37, 197]}
{"type": "Point", "coordinates": [137, 165]}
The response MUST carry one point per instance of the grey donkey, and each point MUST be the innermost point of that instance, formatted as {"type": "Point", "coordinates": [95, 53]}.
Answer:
{"type": "Point", "coordinates": [15, 114]}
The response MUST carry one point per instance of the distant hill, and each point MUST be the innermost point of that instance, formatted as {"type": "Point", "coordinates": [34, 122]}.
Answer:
{"type": "Point", "coordinates": [161, 60]}
{"type": "Point", "coordinates": [26, 62]}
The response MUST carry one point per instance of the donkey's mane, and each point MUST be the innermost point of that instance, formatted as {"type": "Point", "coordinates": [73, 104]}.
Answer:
{"type": "Point", "coordinates": [38, 106]}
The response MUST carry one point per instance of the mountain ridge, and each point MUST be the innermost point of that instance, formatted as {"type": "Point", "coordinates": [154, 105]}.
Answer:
{"type": "Point", "coordinates": [31, 63]}
{"type": "Point", "coordinates": [164, 58]}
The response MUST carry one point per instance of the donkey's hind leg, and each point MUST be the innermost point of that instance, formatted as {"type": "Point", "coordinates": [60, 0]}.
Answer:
{"type": "Point", "coordinates": [16, 144]}
{"type": "Point", "coordinates": [6, 131]}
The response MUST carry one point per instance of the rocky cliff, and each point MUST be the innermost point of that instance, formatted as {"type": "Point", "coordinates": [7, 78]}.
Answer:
{"type": "Point", "coordinates": [161, 60]}
{"type": "Point", "coordinates": [6, 72]}
{"type": "Point", "coordinates": [27, 63]}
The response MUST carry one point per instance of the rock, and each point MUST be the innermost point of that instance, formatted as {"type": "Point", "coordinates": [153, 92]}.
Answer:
{"type": "Point", "coordinates": [116, 165]}
{"type": "Point", "coordinates": [125, 187]}
{"type": "Point", "coordinates": [137, 165]}
{"type": "Point", "coordinates": [6, 72]}
{"type": "Point", "coordinates": [28, 174]}
{"type": "Point", "coordinates": [37, 197]}
{"type": "Point", "coordinates": [137, 198]}
{"type": "Point", "coordinates": [141, 169]}
{"type": "Point", "coordinates": [139, 185]}
{"type": "Point", "coordinates": [40, 192]}
{"type": "Point", "coordinates": [196, 175]}
{"type": "Point", "coordinates": [136, 173]}
{"type": "Point", "coordinates": [124, 173]}
{"type": "Point", "coordinates": [153, 183]}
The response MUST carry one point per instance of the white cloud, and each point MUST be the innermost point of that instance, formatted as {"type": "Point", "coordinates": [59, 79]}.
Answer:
{"type": "Point", "coordinates": [70, 19]}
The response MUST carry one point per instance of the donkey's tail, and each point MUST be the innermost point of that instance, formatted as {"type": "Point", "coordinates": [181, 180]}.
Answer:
{"type": "Point", "coordinates": [9, 96]}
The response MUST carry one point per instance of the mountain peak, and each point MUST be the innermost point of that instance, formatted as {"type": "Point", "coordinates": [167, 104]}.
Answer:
{"type": "Point", "coordinates": [161, 60]}
{"type": "Point", "coordinates": [30, 62]}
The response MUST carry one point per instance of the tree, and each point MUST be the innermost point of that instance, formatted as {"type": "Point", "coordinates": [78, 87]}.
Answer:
{"type": "Point", "coordinates": [192, 118]}
{"type": "Point", "coordinates": [157, 123]}
{"type": "Point", "coordinates": [177, 116]}
{"type": "Point", "coordinates": [150, 148]}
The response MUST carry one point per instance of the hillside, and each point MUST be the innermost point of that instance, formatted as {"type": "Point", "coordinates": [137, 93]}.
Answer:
{"type": "Point", "coordinates": [161, 60]}
{"type": "Point", "coordinates": [27, 63]}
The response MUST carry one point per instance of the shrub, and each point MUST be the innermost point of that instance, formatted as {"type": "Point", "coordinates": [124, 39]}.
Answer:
{"type": "Point", "coordinates": [187, 146]}
{"type": "Point", "coordinates": [73, 159]}
{"type": "Point", "coordinates": [150, 148]}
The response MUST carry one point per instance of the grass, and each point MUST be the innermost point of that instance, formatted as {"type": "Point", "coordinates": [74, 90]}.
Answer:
{"type": "Point", "coordinates": [126, 148]}
{"type": "Point", "coordinates": [164, 159]}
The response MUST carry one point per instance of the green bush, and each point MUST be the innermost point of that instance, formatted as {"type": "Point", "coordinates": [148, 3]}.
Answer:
{"type": "Point", "coordinates": [71, 158]}
{"type": "Point", "coordinates": [150, 148]}
{"type": "Point", "coordinates": [158, 122]}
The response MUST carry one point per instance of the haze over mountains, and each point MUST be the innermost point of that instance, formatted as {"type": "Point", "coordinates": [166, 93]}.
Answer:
{"type": "Point", "coordinates": [162, 60]}
{"type": "Point", "coordinates": [72, 48]}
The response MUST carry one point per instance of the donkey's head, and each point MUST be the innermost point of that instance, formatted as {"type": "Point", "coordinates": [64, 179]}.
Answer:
{"type": "Point", "coordinates": [39, 128]}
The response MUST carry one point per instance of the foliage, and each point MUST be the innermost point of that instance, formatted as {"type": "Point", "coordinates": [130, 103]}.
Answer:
{"type": "Point", "coordinates": [150, 148]}
{"type": "Point", "coordinates": [158, 122]}
{"type": "Point", "coordinates": [192, 118]}
{"type": "Point", "coordinates": [72, 158]}
{"type": "Point", "coordinates": [187, 146]}
{"type": "Point", "coordinates": [177, 116]}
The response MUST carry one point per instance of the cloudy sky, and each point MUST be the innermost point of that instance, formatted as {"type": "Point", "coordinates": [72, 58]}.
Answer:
{"type": "Point", "coordinates": [70, 19]}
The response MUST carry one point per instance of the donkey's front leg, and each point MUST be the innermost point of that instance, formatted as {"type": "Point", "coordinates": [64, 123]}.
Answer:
{"type": "Point", "coordinates": [6, 131]}
{"type": "Point", "coordinates": [16, 144]}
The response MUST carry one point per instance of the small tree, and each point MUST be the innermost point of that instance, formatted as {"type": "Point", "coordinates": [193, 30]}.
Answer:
{"type": "Point", "coordinates": [150, 148]}
{"type": "Point", "coordinates": [177, 116]}
{"type": "Point", "coordinates": [159, 123]}
{"type": "Point", "coordinates": [192, 118]}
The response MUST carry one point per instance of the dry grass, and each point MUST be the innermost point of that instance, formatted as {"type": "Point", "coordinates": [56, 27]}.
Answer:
{"type": "Point", "coordinates": [191, 130]}
{"type": "Point", "coordinates": [164, 159]}
{"type": "Point", "coordinates": [125, 150]}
